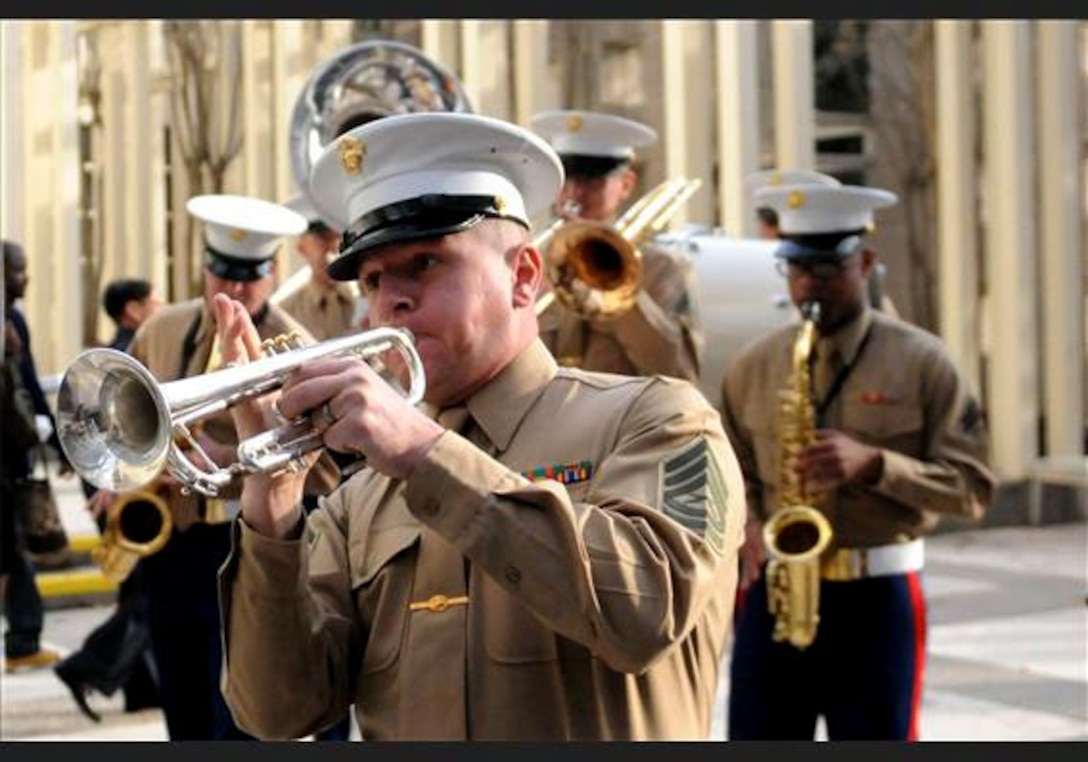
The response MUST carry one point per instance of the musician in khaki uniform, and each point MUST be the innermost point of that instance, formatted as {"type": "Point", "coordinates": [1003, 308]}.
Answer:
{"type": "Point", "coordinates": [899, 440]}
{"type": "Point", "coordinates": [535, 552]}
{"type": "Point", "coordinates": [661, 332]}
{"type": "Point", "coordinates": [241, 236]}
{"type": "Point", "coordinates": [325, 307]}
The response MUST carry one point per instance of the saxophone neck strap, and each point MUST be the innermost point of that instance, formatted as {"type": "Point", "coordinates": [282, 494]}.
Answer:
{"type": "Point", "coordinates": [821, 406]}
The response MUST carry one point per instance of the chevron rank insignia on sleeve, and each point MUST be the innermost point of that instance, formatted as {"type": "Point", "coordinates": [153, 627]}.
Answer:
{"type": "Point", "coordinates": [693, 493]}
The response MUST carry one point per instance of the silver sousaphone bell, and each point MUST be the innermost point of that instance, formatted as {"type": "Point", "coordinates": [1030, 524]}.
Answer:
{"type": "Point", "coordinates": [361, 83]}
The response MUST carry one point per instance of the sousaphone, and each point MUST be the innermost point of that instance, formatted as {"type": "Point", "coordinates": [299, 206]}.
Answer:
{"type": "Point", "coordinates": [361, 83]}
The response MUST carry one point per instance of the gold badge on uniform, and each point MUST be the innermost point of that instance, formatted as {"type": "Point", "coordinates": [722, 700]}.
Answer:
{"type": "Point", "coordinates": [574, 123]}
{"type": "Point", "coordinates": [500, 204]}
{"type": "Point", "coordinates": [237, 235]}
{"type": "Point", "coordinates": [352, 154]}
{"type": "Point", "coordinates": [796, 200]}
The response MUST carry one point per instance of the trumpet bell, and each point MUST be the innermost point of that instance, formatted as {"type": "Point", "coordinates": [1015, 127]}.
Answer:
{"type": "Point", "coordinates": [110, 419]}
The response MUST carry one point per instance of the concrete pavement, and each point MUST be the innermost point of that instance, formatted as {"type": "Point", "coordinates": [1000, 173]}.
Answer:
{"type": "Point", "coordinates": [1008, 644]}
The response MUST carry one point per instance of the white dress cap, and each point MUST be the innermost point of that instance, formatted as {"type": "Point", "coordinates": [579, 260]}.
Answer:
{"type": "Point", "coordinates": [411, 156]}
{"type": "Point", "coordinates": [810, 208]}
{"type": "Point", "coordinates": [589, 133]}
{"type": "Point", "coordinates": [774, 177]}
{"type": "Point", "coordinates": [299, 203]}
{"type": "Point", "coordinates": [244, 227]}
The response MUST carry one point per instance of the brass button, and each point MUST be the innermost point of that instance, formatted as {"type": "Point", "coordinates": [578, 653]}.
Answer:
{"type": "Point", "coordinates": [513, 576]}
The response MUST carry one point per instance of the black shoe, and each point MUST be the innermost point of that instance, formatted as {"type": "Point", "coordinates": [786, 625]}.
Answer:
{"type": "Point", "coordinates": [79, 692]}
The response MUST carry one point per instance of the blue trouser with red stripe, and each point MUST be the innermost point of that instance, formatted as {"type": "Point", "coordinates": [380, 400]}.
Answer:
{"type": "Point", "coordinates": [863, 672]}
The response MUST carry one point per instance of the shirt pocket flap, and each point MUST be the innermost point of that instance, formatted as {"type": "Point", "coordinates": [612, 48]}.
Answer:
{"type": "Point", "coordinates": [379, 548]}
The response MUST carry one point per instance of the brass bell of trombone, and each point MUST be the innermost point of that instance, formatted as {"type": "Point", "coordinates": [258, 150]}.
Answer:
{"type": "Point", "coordinates": [595, 269]}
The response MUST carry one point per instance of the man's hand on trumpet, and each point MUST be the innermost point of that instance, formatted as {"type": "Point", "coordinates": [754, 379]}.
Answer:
{"type": "Point", "coordinates": [271, 504]}
{"type": "Point", "coordinates": [347, 402]}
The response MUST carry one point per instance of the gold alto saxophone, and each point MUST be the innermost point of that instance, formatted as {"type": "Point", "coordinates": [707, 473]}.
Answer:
{"type": "Point", "coordinates": [797, 534]}
{"type": "Point", "coordinates": [138, 523]}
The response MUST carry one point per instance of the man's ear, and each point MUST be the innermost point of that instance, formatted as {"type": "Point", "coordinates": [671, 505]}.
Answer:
{"type": "Point", "coordinates": [868, 261]}
{"type": "Point", "coordinates": [628, 181]}
{"type": "Point", "coordinates": [528, 271]}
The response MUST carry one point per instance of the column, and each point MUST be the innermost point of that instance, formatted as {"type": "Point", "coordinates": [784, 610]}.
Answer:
{"type": "Point", "coordinates": [737, 123]}
{"type": "Point", "coordinates": [957, 218]}
{"type": "Point", "coordinates": [1010, 244]}
{"type": "Point", "coordinates": [535, 87]}
{"type": "Point", "coordinates": [1061, 243]}
{"type": "Point", "coordinates": [485, 60]}
{"type": "Point", "coordinates": [685, 49]}
{"type": "Point", "coordinates": [794, 96]}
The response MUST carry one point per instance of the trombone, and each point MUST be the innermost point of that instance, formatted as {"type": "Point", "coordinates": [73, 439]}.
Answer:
{"type": "Point", "coordinates": [606, 258]}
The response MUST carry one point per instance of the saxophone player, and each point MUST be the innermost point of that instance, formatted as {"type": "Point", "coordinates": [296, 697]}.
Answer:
{"type": "Point", "coordinates": [241, 238]}
{"type": "Point", "coordinates": [898, 439]}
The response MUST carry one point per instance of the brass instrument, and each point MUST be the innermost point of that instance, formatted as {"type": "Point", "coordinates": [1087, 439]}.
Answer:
{"type": "Point", "coordinates": [797, 534]}
{"type": "Point", "coordinates": [118, 425]}
{"type": "Point", "coordinates": [138, 523]}
{"type": "Point", "coordinates": [605, 258]}
{"type": "Point", "coordinates": [360, 83]}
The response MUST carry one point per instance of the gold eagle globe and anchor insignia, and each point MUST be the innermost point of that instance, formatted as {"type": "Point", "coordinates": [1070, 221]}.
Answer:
{"type": "Point", "coordinates": [352, 154]}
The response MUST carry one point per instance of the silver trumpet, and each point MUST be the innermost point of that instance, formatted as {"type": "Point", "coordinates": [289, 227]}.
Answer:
{"type": "Point", "coordinates": [119, 427]}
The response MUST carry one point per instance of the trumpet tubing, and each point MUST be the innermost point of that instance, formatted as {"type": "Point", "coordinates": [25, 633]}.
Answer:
{"type": "Point", "coordinates": [120, 427]}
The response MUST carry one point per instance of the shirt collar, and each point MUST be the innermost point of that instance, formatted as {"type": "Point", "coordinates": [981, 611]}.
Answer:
{"type": "Point", "coordinates": [847, 340]}
{"type": "Point", "coordinates": [316, 291]}
{"type": "Point", "coordinates": [500, 406]}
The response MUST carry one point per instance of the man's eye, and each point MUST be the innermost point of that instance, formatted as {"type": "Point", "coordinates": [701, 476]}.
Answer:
{"type": "Point", "coordinates": [426, 262]}
{"type": "Point", "coordinates": [371, 282]}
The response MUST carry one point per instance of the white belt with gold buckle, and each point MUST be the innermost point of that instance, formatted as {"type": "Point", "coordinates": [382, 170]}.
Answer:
{"type": "Point", "coordinates": [847, 564]}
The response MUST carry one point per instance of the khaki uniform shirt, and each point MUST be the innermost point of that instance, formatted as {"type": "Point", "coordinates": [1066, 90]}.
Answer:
{"type": "Point", "coordinates": [904, 395]}
{"type": "Point", "coordinates": [159, 345]}
{"type": "Point", "coordinates": [584, 528]}
{"type": "Point", "coordinates": [659, 335]}
{"type": "Point", "coordinates": [325, 312]}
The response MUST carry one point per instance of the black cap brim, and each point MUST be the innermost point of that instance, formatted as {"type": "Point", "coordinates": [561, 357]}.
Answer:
{"type": "Point", "coordinates": [234, 269]}
{"type": "Point", "coordinates": [819, 245]}
{"type": "Point", "coordinates": [576, 165]}
{"type": "Point", "coordinates": [346, 265]}
{"type": "Point", "coordinates": [427, 216]}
